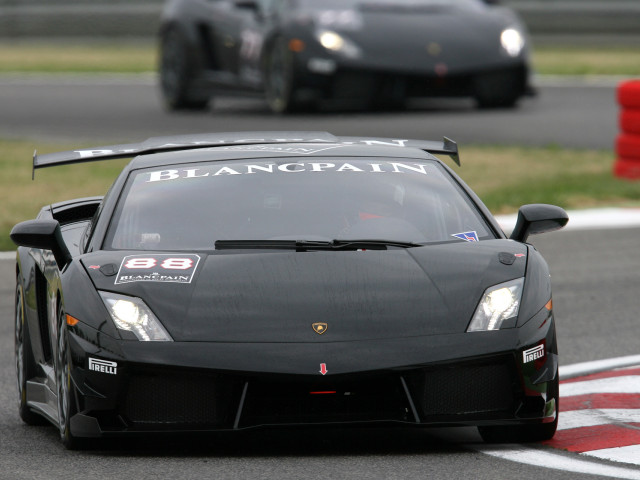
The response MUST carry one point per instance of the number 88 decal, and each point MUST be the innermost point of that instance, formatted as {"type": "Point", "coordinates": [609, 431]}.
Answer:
{"type": "Point", "coordinates": [168, 264]}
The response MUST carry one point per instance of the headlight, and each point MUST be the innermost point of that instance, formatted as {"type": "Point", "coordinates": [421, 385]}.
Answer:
{"type": "Point", "coordinates": [133, 315]}
{"type": "Point", "coordinates": [499, 303]}
{"type": "Point", "coordinates": [512, 41]}
{"type": "Point", "coordinates": [335, 42]}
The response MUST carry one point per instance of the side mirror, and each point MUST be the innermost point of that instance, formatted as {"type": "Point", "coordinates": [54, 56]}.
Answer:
{"type": "Point", "coordinates": [538, 218]}
{"type": "Point", "coordinates": [44, 234]}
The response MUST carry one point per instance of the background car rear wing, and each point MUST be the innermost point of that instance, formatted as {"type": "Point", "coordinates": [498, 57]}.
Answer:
{"type": "Point", "coordinates": [186, 142]}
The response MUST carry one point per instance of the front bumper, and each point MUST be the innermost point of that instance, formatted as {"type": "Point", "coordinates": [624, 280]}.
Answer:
{"type": "Point", "coordinates": [329, 78]}
{"type": "Point", "coordinates": [462, 379]}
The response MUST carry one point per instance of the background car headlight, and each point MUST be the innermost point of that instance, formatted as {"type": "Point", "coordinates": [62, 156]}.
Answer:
{"type": "Point", "coordinates": [512, 41]}
{"type": "Point", "coordinates": [499, 303]}
{"type": "Point", "coordinates": [133, 315]}
{"type": "Point", "coordinates": [335, 42]}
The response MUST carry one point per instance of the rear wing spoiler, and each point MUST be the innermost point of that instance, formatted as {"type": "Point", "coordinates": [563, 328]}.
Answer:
{"type": "Point", "coordinates": [188, 142]}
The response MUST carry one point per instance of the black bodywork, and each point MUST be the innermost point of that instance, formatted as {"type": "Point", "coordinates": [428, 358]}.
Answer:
{"type": "Point", "coordinates": [372, 54]}
{"type": "Point", "coordinates": [246, 350]}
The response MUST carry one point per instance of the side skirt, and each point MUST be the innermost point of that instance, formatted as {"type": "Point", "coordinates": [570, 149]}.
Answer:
{"type": "Point", "coordinates": [41, 398]}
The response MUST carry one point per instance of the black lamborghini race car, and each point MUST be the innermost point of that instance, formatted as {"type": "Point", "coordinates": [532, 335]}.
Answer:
{"type": "Point", "coordinates": [232, 281]}
{"type": "Point", "coordinates": [371, 53]}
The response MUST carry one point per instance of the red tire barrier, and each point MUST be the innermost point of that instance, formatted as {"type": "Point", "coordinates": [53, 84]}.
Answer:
{"type": "Point", "coordinates": [628, 142]}
{"type": "Point", "coordinates": [629, 94]}
{"type": "Point", "coordinates": [627, 168]}
{"type": "Point", "coordinates": [628, 146]}
{"type": "Point", "coordinates": [630, 121]}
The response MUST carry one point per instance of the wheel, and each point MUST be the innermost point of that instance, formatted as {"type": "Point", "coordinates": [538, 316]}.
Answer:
{"type": "Point", "coordinates": [525, 433]}
{"type": "Point", "coordinates": [25, 365]}
{"type": "Point", "coordinates": [177, 71]}
{"type": "Point", "coordinates": [279, 78]}
{"type": "Point", "coordinates": [497, 89]}
{"type": "Point", "coordinates": [66, 400]}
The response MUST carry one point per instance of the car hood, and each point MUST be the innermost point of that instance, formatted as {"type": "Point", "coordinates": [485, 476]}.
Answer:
{"type": "Point", "coordinates": [277, 296]}
{"type": "Point", "coordinates": [416, 40]}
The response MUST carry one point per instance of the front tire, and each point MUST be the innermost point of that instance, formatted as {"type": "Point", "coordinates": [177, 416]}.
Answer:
{"type": "Point", "coordinates": [66, 400]}
{"type": "Point", "coordinates": [25, 365]}
{"type": "Point", "coordinates": [279, 78]}
{"type": "Point", "coordinates": [177, 71]}
{"type": "Point", "coordinates": [497, 89]}
{"type": "Point", "coordinates": [525, 433]}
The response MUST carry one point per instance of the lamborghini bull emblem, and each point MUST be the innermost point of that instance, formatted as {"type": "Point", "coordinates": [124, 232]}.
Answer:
{"type": "Point", "coordinates": [319, 327]}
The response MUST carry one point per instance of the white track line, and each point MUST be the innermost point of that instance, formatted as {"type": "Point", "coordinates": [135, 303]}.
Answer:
{"type": "Point", "coordinates": [624, 384]}
{"type": "Point", "coordinates": [592, 418]}
{"type": "Point", "coordinates": [619, 454]}
{"type": "Point", "coordinates": [539, 458]}
{"type": "Point", "coordinates": [594, 219]}
{"type": "Point", "coordinates": [597, 366]}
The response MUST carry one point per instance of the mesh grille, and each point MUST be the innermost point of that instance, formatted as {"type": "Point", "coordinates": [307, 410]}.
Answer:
{"type": "Point", "coordinates": [465, 389]}
{"type": "Point", "coordinates": [358, 400]}
{"type": "Point", "coordinates": [174, 399]}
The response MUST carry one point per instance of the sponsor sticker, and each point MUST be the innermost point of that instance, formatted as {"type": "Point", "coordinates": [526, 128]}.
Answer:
{"type": "Point", "coordinates": [467, 236]}
{"type": "Point", "coordinates": [533, 353]}
{"type": "Point", "coordinates": [103, 366]}
{"type": "Point", "coordinates": [167, 268]}
{"type": "Point", "coordinates": [297, 150]}
{"type": "Point", "coordinates": [285, 168]}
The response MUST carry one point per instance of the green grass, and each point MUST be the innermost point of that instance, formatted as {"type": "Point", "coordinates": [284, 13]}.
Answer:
{"type": "Point", "coordinates": [591, 60]}
{"type": "Point", "coordinates": [21, 198]}
{"type": "Point", "coordinates": [504, 177]}
{"type": "Point", "coordinates": [104, 57]}
{"type": "Point", "coordinates": [507, 177]}
{"type": "Point", "coordinates": [72, 58]}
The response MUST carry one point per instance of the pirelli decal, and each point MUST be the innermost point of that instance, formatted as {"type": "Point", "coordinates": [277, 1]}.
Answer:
{"type": "Point", "coordinates": [103, 366]}
{"type": "Point", "coordinates": [169, 268]}
{"type": "Point", "coordinates": [533, 354]}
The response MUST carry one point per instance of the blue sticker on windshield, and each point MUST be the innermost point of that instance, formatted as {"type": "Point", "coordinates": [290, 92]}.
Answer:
{"type": "Point", "coordinates": [467, 236]}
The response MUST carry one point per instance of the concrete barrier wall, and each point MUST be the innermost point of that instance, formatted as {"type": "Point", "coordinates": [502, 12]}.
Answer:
{"type": "Point", "coordinates": [139, 18]}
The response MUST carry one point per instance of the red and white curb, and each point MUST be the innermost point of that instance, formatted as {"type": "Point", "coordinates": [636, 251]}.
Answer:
{"type": "Point", "coordinates": [599, 421]}
{"type": "Point", "coordinates": [600, 416]}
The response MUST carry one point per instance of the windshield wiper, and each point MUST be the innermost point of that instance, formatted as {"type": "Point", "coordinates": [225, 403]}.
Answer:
{"type": "Point", "coordinates": [306, 245]}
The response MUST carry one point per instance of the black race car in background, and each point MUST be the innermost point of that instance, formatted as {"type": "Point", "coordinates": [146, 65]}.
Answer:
{"type": "Point", "coordinates": [372, 53]}
{"type": "Point", "coordinates": [232, 281]}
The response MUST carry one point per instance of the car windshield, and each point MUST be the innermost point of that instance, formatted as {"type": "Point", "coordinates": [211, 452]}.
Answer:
{"type": "Point", "coordinates": [191, 207]}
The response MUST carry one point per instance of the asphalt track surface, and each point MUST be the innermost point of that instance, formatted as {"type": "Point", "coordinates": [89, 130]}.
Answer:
{"type": "Point", "coordinates": [595, 300]}
{"type": "Point", "coordinates": [594, 273]}
{"type": "Point", "coordinates": [127, 109]}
